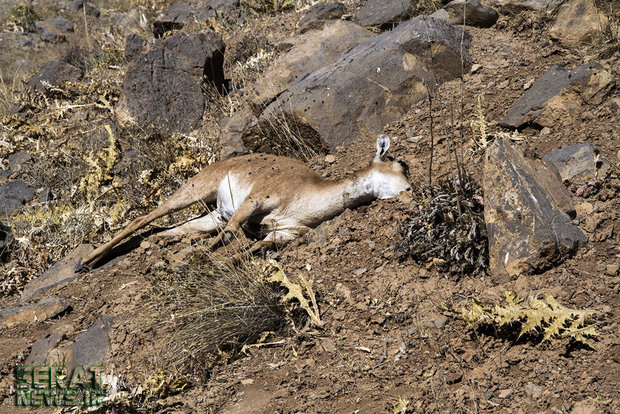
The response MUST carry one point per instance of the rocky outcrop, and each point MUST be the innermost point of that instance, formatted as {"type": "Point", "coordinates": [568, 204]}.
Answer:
{"type": "Point", "coordinates": [38, 312]}
{"type": "Point", "coordinates": [90, 348]}
{"type": "Point", "coordinates": [53, 75]}
{"type": "Point", "coordinates": [373, 84]}
{"type": "Point", "coordinates": [62, 272]}
{"type": "Point", "coordinates": [85, 7]}
{"type": "Point", "coordinates": [578, 22]}
{"type": "Point", "coordinates": [527, 211]}
{"type": "Point", "coordinates": [468, 12]}
{"type": "Point", "coordinates": [135, 45]}
{"type": "Point", "coordinates": [320, 13]}
{"type": "Point", "coordinates": [385, 13]}
{"type": "Point", "coordinates": [182, 14]}
{"type": "Point", "coordinates": [13, 195]}
{"type": "Point", "coordinates": [6, 242]}
{"type": "Point", "coordinates": [307, 52]}
{"type": "Point", "coordinates": [54, 30]}
{"type": "Point", "coordinates": [560, 93]}
{"type": "Point", "coordinates": [162, 88]}
{"type": "Point", "coordinates": [581, 162]}
{"type": "Point", "coordinates": [518, 5]}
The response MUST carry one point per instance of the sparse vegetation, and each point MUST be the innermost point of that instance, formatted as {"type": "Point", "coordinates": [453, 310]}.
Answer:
{"type": "Point", "coordinates": [545, 318]}
{"type": "Point", "coordinates": [447, 229]}
{"type": "Point", "coordinates": [212, 309]}
{"type": "Point", "coordinates": [267, 6]}
{"type": "Point", "coordinates": [24, 16]}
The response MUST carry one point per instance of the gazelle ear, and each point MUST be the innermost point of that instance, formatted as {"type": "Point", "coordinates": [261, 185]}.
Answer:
{"type": "Point", "coordinates": [383, 144]}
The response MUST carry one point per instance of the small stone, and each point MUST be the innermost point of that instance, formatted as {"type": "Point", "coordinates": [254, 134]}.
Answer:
{"type": "Point", "coordinates": [146, 245]}
{"type": "Point", "coordinates": [330, 159]}
{"type": "Point", "coordinates": [507, 393]}
{"type": "Point", "coordinates": [533, 390]}
{"type": "Point", "coordinates": [453, 378]}
{"type": "Point", "coordinates": [247, 381]}
{"type": "Point", "coordinates": [612, 269]}
{"type": "Point", "coordinates": [546, 131]}
{"type": "Point", "coordinates": [360, 271]}
{"type": "Point", "coordinates": [585, 209]}
{"type": "Point", "coordinates": [435, 320]}
{"type": "Point", "coordinates": [475, 68]}
{"type": "Point", "coordinates": [529, 84]}
{"type": "Point", "coordinates": [584, 407]}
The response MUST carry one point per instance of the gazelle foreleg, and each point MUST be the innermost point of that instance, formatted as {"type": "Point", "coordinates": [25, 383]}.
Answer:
{"type": "Point", "coordinates": [274, 239]}
{"type": "Point", "coordinates": [246, 210]}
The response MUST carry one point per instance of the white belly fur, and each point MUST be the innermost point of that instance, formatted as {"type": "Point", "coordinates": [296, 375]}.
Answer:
{"type": "Point", "coordinates": [230, 194]}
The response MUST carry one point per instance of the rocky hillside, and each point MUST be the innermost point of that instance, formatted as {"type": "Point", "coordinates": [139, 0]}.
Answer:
{"type": "Point", "coordinates": [492, 286]}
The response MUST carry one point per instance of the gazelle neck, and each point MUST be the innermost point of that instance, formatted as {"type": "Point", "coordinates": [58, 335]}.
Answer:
{"type": "Point", "coordinates": [351, 191]}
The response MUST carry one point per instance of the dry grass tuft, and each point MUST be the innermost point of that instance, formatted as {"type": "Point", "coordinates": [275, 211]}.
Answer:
{"type": "Point", "coordinates": [211, 309]}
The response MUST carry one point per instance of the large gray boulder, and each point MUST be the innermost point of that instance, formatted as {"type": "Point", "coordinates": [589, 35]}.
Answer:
{"type": "Point", "coordinates": [307, 53]}
{"type": "Point", "coordinates": [374, 84]}
{"type": "Point", "coordinates": [162, 87]}
{"type": "Point", "coordinates": [560, 93]}
{"type": "Point", "coordinates": [527, 211]}
{"type": "Point", "coordinates": [385, 13]}
{"type": "Point", "coordinates": [60, 273]}
{"type": "Point", "coordinates": [470, 13]}
{"type": "Point", "coordinates": [580, 162]}
{"type": "Point", "coordinates": [54, 74]}
{"type": "Point", "coordinates": [318, 14]}
{"type": "Point", "coordinates": [579, 22]}
{"type": "Point", "coordinates": [13, 196]}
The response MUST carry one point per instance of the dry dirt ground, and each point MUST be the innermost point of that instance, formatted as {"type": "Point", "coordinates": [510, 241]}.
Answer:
{"type": "Point", "coordinates": [389, 333]}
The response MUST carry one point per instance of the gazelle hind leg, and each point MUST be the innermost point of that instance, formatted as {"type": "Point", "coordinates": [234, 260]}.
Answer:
{"type": "Point", "coordinates": [205, 224]}
{"type": "Point", "coordinates": [178, 201]}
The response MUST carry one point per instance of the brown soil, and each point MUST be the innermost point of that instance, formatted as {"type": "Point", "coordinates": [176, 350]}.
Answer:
{"type": "Point", "coordinates": [389, 334]}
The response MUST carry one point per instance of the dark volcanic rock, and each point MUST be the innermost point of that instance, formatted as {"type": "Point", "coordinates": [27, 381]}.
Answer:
{"type": "Point", "coordinates": [37, 312]}
{"type": "Point", "coordinates": [308, 52]}
{"type": "Point", "coordinates": [527, 211]}
{"type": "Point", "coordinates": [470, 13]}
{"type": "Point", "coordinates": [63, 271]}
{"type": "Point", "coordinates": [90, 348]}
{"type": "Point", "coordinates": [134, 45]}
{"type": "Point", "coordinates": [580, 161]}
{"type": "Point", "coordinates": [385, 13]}
{"type": "Point", "coordinates": [6, 242]}
{"type": "Point", "coordinates": [182, 14]}
{"type": "Point", "coordinates": [54, 74]}
{"type": "Point", "coordinates": [14, 195]}
{"type": "Point", "coordinates": [559, 90]}
{"type": "Point", "coordinates": [162, 87]}
{"type": "Point", "coordinates": [375, 83]}
{"type": "Point", "coordinates": [78, 5]}
{"type": "Point", "coordinates": [319, 13]}
{"type": "Point", "coordinates": [53, 30]}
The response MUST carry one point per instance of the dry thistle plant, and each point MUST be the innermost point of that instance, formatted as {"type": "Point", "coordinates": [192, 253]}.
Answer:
{"type": "Point", "coordinates": [535, 316]}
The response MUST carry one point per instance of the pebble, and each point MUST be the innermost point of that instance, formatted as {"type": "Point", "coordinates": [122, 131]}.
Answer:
{"type": "Point", "coordinates": [533, 390]}
{"type": "Point", "coordinates": [330, 159]}
{"type": "Point", "coordinates": [507, 393]}
{"type": "Point", "coordinates": [612, 269]}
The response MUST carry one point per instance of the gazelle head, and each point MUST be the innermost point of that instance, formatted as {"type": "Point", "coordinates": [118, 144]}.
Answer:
{"type": "Point", "coordinates": [389, 177]}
